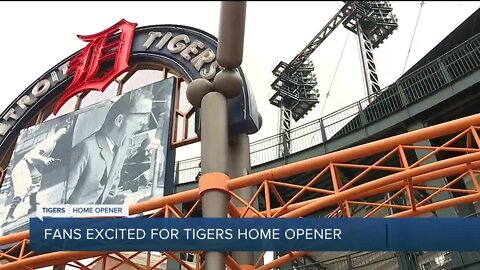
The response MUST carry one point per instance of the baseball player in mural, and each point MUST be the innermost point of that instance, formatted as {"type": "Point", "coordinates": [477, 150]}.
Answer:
{"type": "Point", "coordinates": [28, 172]}
{"type": "Point", "coordinates": [96, 163]}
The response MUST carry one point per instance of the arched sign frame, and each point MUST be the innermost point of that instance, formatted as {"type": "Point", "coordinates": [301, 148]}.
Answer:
{"type": "Point", "coordinates": [151, 47]}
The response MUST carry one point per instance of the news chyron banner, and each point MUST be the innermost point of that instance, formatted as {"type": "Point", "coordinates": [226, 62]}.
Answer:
{"type": "Point", "coordinates": [114, 152]}
{"type": "Point", "coordinates": [254, 234]}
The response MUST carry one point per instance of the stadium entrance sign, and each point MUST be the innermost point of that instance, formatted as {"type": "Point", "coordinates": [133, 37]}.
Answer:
{"type": "Point", "coordinates": [184, 50]}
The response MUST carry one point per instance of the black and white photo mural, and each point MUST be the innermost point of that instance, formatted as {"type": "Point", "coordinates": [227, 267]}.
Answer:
{"type": "Point", "coordinates": [116, 151]}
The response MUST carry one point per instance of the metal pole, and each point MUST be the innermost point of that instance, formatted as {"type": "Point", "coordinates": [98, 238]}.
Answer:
{"type": "Point", "coordinates": [212, 98]}
{"type": "Point", "coordinates": [285, 124]}
{"type": "Point", "coordinates": [368, 62]}
{"type": "Point", "coordinates": [239, 165]}
{"type": "Point", "coordinates": [214, 159]}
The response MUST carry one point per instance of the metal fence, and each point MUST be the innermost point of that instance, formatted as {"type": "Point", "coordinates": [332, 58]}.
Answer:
{"type": "Point", "coordinates": [355, 261]}
{"type": "Point", "coordinates": [435, 261]}
{"type": "Point", "coordinates": [451, 66]}
{"type": "Point", "coordinates": [382, 261]}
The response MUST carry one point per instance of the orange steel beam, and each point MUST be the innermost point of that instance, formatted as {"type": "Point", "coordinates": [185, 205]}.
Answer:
{"type": "Point", "coordinates": [417, 174]}
{"type": "Point", "coordinates": [127, 260]}
{"type": "Point", "coordinates": [450, 149]}
{"type": "Point", "coordinates": [315, 179]}
{"type": "Point", "coordinates": [475, 181]}
{"type": "Point", "coordinates": [336, 184]}
{"type": "Point", "coordinates": [446, 189]}
{"type": "Point", "coordinates": [233, 210]}
{"type": "Point", "coordinates": [396, 186]}
{"type": "Point", "coordinates": [450, 171]}
{"type": "Point", "coordinates": [54, 258]}
{"type": "Point", "coordinates": [172, 256]}
{"type": "Point", "coordinates": [232, 264]}
{"type": "Point", "coordinates": [249, 206]}
{"type": "Point", "coordinates": [438, 205]}
{"type": "Point", "coordinates": [260, 259]}
{"type": "Point", "coordinates": [422, 210]}
{"type": "Point", "coordinates": [379, 204]}
{"type": "Point", "coordinates": [319, 190]}
{"type": "Point", "coordinates": [473, 130]}
{"type": "Point", "coordinates": [370, 168]}
{"type": "Point", "coordinates": [355, 152]}
{"type": "Point", "coordinates": [267, 199]}
{"type": "Point", "coordinates": [63, 254]}
{"type": "Point", "coordinates": [391, 187]}
{"type": "Point", "coordinates": [277, 194]}
{"type": "Point", "coordinates": [408, 181]}
{"type": "Point", "coordinates": [442, 147]}
{"type": "Point", "coordinates": [385, 203]}
{"type": "Point", "coordinates": [345, 195]}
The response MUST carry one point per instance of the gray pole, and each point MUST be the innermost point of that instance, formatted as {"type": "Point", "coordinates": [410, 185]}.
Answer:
{"type": "Point", "coordinates": [239, 165]}
{"type": "Point", "coordinates": [214, 148]}
{"type": "Point", "coordinates": [214, 159]}
{"type": "Point", "coordinates": [212, 98]}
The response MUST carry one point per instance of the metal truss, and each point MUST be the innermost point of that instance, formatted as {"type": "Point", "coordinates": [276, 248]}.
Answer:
{"type": "Point", "coordinates": [285, 120]}
{"type": "Point", "coordinates": [372, 21]}
{"type": "Point", "coordinates": [335, 21]}
{"type": "Point", "coordinates": [371, 177]}
{"type": "Point", "coordinates": [368, 62]}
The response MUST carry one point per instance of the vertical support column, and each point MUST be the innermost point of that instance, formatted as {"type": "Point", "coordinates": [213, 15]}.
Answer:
{"type": "Point", "coordinates": [363, 116]}
{"type": "Point", "coordinates": [2, 175]}
{"type": "Point", "coordinates": [230, 56]}
{"type": "Point", "coordinates": [403, 95]}
{"type": "Point", "coordinates": [212, 98]}
{"type": "Point", "coordinates": [239, 165]}
{"type": "Point", "coordinates": [406, 261]}
{"type": "Point", "coordinates": [322, 131]}
{"type": "Point", "coordinates": [214, 150]}
{"type": "Point", "coordinates": [214, 160]}
{"type": "Point", "coordinates": [173, 264]}
{"type": "Point", "coordinates": [444, 70]}
{"type": "Point", "coordinates": [402, 257]}
{"type": "Point", "coordinates": [177, 174]}
{"type": "Point", "coordinates": [349, 262]}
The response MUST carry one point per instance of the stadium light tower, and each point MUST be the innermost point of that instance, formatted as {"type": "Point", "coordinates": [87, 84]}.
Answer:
{"type": "Point", "coordinates": [295, 93]}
